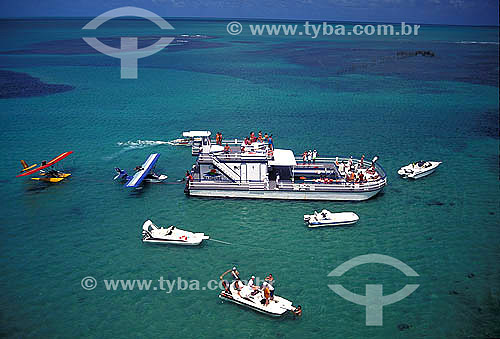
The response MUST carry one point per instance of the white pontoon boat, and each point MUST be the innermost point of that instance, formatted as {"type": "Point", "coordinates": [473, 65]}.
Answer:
{"type": "Point", "coordinates": [419, 169]}
{"type": "Point", "coordinates": [327, 218]}
{"type": "Point", "coordinates": [259, 170]}
{"type": "Point", "coordinates": [170, 235]}
{"type": "Point", "coordinates": [255, 300]}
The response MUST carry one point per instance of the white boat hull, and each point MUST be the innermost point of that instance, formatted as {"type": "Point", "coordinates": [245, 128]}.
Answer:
{"type": "Point", "coordinates": [160, 178]}
{"type": "Point", "coordinates": [335, 219]}
{"type": "Point", "coordinates": [174, 242]}
{"type": "Point", "coordinates": [285, 195]}
{"type": "Point", "coordinates": [415, 172]}
{"type": "Point", "coordinates": [170, 236]}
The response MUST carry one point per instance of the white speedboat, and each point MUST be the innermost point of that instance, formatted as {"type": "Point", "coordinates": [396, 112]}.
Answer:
{"type": "Point", "coordinates": [153, 177]}
{"type": "Point", "coordinates": [327, 218]}
{"type": "Point", "coordinates": [255, 300]}
{"type": "Point", "coordinates": [181, 142]}
{"type": "Point", "coordinates": [419, 169]}
{"type": "Point", "coordinates": [170, 235]}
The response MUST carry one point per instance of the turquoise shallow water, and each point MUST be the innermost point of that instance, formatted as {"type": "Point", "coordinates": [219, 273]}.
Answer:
{"type": "Point", "coordinates": [445, 226]}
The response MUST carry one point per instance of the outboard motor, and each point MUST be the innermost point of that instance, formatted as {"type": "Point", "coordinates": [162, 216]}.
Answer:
{"type": "Point", "coordinates": [145, 235]}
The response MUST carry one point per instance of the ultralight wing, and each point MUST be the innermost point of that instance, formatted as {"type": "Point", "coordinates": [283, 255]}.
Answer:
{"type": "Point", "coordinates": [48, 164]}
{"type": "Point", "coordinates": [146, 168]}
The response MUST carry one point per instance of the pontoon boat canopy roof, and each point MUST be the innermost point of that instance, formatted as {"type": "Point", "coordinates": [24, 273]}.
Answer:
{"type": "Point", "coordinates": [283, 157]}
{"type": "Point", "coordinates": [192, 134]}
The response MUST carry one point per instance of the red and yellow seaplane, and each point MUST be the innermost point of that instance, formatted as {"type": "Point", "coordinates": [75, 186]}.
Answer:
{"type": "Point", "coordinates": [50, 175]}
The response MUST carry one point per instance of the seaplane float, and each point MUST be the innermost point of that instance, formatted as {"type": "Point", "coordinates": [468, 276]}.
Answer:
{"type": "Point", "coordinates": [47, 172]}
{"type": "Point", "coordinates": [170, 235]}
{"type": "Point", "coordinates": [327, 218]}
{"type": "Point", "coordinates": [255, 298]}
{"type": "Point", "coordinates": [142, 173]}
{"type": "Point", "coordinates": [419, 169]}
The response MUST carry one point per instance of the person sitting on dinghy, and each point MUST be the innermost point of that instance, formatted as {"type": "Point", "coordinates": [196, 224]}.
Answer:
{"type": "Point", "coordinates": [227, 149]}
{"type": "Point", "coordinates": [251, 284]}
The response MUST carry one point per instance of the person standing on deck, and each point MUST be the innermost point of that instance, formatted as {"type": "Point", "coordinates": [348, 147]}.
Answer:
{"type": "Point", "coordinates": [361, 161]}
{"type": "Point", "coordinates": [269, 279]}
{"type": "Point", "coordinates": [314, 155]}
{"type": "Point", "coordinates": [267, 293]}
{"type": "Point", "coordinates": [341, 168]}
{"type": "Point", "coordinates": [304, 156]}
{"type": "Point", "coordinates": [309, 157]}
{"type": "Point", "coordinates": [252, 137]}
{"type": "Point", "coordinates": [271, 145]}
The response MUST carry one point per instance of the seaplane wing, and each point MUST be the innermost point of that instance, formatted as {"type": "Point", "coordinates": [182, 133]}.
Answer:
{"type": "Point", "coordinates": [146, 168]}
{"type": "Point", "coordinates": [48, 164]}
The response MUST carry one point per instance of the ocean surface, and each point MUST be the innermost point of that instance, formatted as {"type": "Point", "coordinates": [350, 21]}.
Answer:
{"type": "Point", "coordinates": [339, 95]}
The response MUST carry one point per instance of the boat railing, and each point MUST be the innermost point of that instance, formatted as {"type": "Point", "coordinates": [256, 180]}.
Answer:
{"type": "Point", "coordinates": [339, 185]}
{"type": "Point", "coordinates": [326, 160]}
{"type": "Point", "coordinates": [214, 184]}
{"type": "Point", "coordinates": [230, 142]}
{"type": "Point", "coordinates": [233, 157]}
{"type": "Point", "coordinates": [223, 157]}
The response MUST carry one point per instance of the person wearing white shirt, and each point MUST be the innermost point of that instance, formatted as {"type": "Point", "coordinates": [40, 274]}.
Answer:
{"type": "Point", "coordinates": [251, 282]}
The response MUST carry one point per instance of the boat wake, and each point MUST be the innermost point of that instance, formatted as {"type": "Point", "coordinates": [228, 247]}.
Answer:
{"type": "Point", "coordinates": [478, 42]}
{"type": "Point", "coordinates": [131, 145]}
{"type": "Point", "coordinates": [141, 143]}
